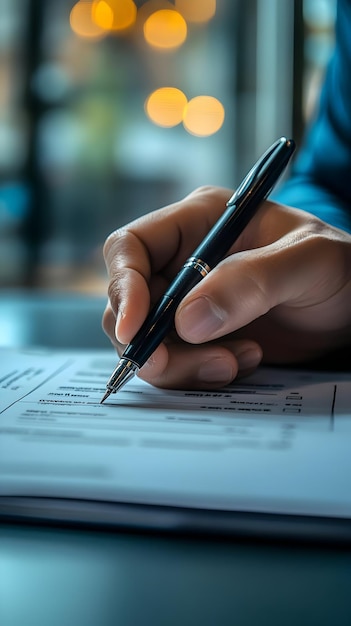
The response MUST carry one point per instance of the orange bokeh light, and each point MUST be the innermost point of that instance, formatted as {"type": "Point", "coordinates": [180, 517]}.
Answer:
{"type": "Point", "coordinates": [165, 29]}
{"type": "Point", "coordinates": [165, 106]}
{"type": "Point", "coordinates": [196, 10]}
{"type": "Point", "coordinates": [114, 15]}
{"type": "Point", "coordinates": [82, 23]}
{"type": "Point", "coordinates": [203, 116]}
{"type": "Point", "coordinates": [102, 14]}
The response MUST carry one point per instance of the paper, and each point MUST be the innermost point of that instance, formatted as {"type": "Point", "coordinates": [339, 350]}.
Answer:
{"type": "Point", "coordinates": [278, 441]}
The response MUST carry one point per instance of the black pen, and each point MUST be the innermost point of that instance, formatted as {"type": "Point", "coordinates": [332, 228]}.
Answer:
{"type": "Point", "coordinates": [241, 207]}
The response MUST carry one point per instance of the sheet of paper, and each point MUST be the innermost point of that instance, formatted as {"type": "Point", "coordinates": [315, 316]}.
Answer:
{"type": "Point", "coordinates": [278, 441]}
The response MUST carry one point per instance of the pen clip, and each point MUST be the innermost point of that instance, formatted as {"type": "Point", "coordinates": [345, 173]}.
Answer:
{"type": "Point", "coordinates": [247, 184]}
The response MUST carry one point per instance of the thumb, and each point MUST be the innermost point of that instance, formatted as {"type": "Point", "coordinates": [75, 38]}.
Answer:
{"type": "Point", "coordinates": [247, 285]}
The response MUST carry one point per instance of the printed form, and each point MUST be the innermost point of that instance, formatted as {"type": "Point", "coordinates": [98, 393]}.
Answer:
{"type": "Point", "coordinates": [278, 441]}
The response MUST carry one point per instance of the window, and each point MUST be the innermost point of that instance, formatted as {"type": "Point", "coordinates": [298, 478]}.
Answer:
{"type": "Point", "coordinates": [112, 108]}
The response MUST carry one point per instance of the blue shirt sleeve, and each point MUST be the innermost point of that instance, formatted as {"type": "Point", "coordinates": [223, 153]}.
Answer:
{"type": "Point", "coordinates": [320, 180]}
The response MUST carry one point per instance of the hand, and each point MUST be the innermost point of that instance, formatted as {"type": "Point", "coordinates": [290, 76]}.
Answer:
{"type": "Point", "coordinates": [281, 295]}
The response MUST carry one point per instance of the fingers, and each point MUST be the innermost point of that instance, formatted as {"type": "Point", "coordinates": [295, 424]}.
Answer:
{"type": "Point", "coordinates": [283, 287]}
{"type": "Point", "coordinates": [296, 276]}
{"type": "Point", "coordinates": [144, 256]}
{"type": "Point", "coordinates": [165, 238]}
{"type": "Point", "coordinates": [180, 366]}
{"type": "Point", "coordinates": [183, 366]}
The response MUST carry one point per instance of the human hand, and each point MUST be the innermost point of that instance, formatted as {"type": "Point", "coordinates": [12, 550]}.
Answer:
{"type": "Point", "coordinates": [282, 294]}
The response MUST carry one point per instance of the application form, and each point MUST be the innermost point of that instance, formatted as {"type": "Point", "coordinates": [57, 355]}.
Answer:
{"type": "Point", "coordinates": [277, 442]}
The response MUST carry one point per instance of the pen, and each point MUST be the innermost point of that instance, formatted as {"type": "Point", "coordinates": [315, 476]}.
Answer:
{"type": "Point", "coordinates": [240, 208]}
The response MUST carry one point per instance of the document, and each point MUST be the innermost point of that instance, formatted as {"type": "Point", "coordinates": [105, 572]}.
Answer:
{"type": "Point", "coordinates": [277, 443]}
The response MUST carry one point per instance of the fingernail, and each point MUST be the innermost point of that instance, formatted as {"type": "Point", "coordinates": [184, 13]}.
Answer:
{"type": "Point", "coordinates": [117, 324]}
{"type": "Point", "coordinates": [216, 371]}
{"type": "Point", "coordinates": [199, 320]}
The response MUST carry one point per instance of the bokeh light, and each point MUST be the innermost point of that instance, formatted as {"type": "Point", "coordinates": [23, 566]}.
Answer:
{"type": "Point", "coordinates": [165, 29]}
{"type": "Point", "coordinates": [82, 23]}
{"type": "Point", "coordinates": [196, 10]}
{"type": "Point", "coordinates": [203, 116]}
{"type": "Point", "coordinates": [114, 15]}
{"type": "Point", "coordinates": [102, 14]}
{"type": "Point", "coordinates": [165, 106]}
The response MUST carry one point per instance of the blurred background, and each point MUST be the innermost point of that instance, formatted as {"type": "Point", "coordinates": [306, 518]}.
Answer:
{"type": "Point", "coordinates": [113, 108]}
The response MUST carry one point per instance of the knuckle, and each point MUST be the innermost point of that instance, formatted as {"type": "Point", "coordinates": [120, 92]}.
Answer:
{"type": "Point", "coordinates": [205, 189]}
{"type": "Point", "coordinates": [209, 191]}
{"type": "Point", "coordinates": [114, 291]}
{"type": "Point", "coordinates": [113, 242]}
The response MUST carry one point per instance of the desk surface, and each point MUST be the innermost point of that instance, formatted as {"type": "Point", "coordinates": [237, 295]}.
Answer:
{"type": "Point", "coordinates": [67, 577]}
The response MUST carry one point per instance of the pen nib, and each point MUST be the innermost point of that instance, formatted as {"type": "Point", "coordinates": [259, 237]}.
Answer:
{"type": "Point", "coordinates": [124, 371]}
{"type": "Point", "coordinates": [107, 394]}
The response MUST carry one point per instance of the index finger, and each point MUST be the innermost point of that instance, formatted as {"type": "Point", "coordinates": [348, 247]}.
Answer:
{"type": "Point", "coordinates": [142, 257]}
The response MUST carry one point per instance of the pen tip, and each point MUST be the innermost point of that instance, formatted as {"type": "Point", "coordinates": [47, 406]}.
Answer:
{"type": "Point", "coordinates": [108, 392]}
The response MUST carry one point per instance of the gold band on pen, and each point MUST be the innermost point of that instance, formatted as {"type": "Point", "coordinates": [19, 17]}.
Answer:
{"type": "Point", "coordinates": [199, 265]}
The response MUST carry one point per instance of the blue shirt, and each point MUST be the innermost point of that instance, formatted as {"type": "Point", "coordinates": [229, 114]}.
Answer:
{"type": "Point", "coordinates": [320, 180]}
